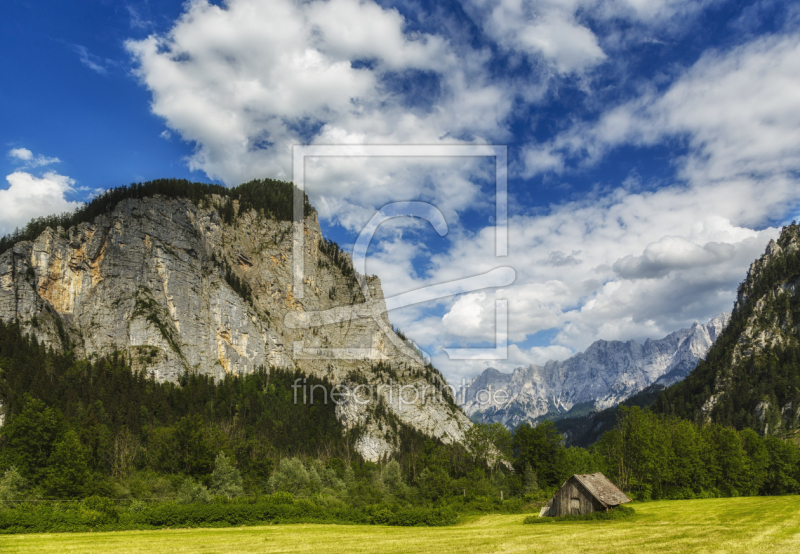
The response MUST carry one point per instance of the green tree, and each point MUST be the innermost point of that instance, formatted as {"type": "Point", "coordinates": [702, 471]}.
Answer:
{"type": "Point", "coordinates": [730, 459]}
{"type": "Point", "coordinates": [68, 472]}
{"type": "Point", "coordinates": [193, 446]}
{"type": "Point", "coordinates": [191, 491]}
{"type": "Point", "coordinates": [29, 438]}
{"type": "Point", "coordinates": [489, 443]}
{"type": "Point", "coordinates": [226, 479]}
{"type": "Point", "coordinates": [530, 481]}
{"type": "Point", "coordinates": [636, 452]}
{"type": "Point", "coordinates": [685, 475]}
{"type": "Point", "coordinates": [757, 461]}
{"type": "Point", "coordinates": [290, 476]}
{"type": "Point", "coordinates": [542, 449]}
{"type": "Point", "coordinates": [392, 478]}
{"type": "Point", "coordinates": [434, 484]}
{"type": "Point", "coordinates": [12, 487]}
{"type": "Point", "coordinates": [782, 470]}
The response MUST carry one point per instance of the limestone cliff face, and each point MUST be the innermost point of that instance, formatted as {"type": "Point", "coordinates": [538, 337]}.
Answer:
{"type": "Point", "coordinates": [149, 279]}
{"type": "Point", "coordinates": [769, 323]}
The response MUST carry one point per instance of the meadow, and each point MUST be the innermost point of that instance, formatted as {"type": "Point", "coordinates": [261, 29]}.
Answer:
{"type": "Point", "coordinates": [752, 524]}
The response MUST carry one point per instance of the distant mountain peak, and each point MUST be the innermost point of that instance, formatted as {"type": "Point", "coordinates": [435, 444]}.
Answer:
{"type": "Point", "coordinates": [604, 375]}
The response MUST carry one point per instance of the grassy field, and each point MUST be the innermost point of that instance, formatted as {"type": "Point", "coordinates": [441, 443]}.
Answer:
{"type": "Point", "coordinates": [719, 525]}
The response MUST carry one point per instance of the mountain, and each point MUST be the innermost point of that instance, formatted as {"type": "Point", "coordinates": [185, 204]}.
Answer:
{"type": "Point", "coordinates": [751, 377]}
{"type": "Point", "coordinates": [183, 277]}
{"type": "Point", "coordinates": [607, 373]}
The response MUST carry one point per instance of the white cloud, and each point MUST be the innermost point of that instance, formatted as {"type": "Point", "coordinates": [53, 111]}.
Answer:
{"type": "Point", "coordinates": [21, 154]}
{"type": "Point", "coordinates": [560, 31]}
{"type": "Point", "coordinates": [28, 159]}
{"type": "Point", "coordinates": [246, 82]}
{"type": "Point", "coordinates": [671, 253]}
{"type": "Point", "coordinates": [28, 196]}
{"type": "Point", "coordinates": [639, 274]}
{"type": "Point", "coordinates": [549, 29]}
{"type": "Point", "coordinates": [739, 112]}
{"type": "Point", "coordinates": [538, 355]}
{"type": "Point", "coordinates": [467, 314]}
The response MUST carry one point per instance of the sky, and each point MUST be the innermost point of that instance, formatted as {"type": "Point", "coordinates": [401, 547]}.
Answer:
{"type": "Point", "coordinates": [653, 145]}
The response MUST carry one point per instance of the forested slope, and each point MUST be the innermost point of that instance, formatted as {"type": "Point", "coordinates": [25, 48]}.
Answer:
{"type": "Point", "coordinates": [751, 376]}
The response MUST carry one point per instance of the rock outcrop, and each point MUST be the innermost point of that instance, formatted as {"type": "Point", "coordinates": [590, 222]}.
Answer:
{"type": "Point", "coordinates": [176, 289]}
{"type": "Point", "coordinates": [607, 373]}
{"type": "Point", "coordinates": [751, 377]}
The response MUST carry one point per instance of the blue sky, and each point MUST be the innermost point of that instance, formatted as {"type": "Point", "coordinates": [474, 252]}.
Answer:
{"type": "Point", "coordinates": [654, 147]}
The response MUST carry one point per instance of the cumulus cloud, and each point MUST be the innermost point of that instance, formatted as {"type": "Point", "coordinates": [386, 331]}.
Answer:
{"type": "Point", "coordinates": [738, 110]}
{"type": "Point", "coordinates": [28, 159]}
{"type": "Point", "coordinates": [671, 253]}
{"type": "Point", "coordinates": [568, 34]}
{"type": "Point", "coordinates": [28, 196]}
{"type": "Point", "coordinates": [636, 278]}
{"type": "Point", "coordinates": [246, 82]}
{"type": "Point", "coordinates": [547, 29]}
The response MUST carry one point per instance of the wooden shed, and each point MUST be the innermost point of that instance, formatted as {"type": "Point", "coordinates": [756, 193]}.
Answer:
{"type": "Point", "coordinates": [584, 494]}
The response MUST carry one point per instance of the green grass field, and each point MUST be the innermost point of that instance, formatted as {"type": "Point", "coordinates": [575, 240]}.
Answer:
{"type": "Point", "coordinates": [761, 524]}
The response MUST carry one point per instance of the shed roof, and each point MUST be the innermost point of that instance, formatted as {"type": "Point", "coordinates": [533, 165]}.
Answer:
{"type": "Point", "coordinates": [602, 489]}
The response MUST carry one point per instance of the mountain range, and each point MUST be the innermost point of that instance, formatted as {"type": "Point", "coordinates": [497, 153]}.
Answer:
{"type": "Point", "coordinates": [607, 373]}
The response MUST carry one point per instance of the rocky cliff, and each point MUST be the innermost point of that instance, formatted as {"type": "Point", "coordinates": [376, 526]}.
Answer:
{"type": "Point", "coordinates": [751, 377]}
{"type": "Point", "coordinates": [175, 288]}
{"type": "Point", "coordinates": [607, 373]}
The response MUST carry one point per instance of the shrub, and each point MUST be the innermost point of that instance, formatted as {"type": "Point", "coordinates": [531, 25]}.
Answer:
{"type": "Point", "coordinates": [105, 509]}
{"type": "Point", "coordinates": [192, 492]}
{"type": "Point", "coordinates": [136, 506]}
{"type": "Point", "coordinates": [282, 497]}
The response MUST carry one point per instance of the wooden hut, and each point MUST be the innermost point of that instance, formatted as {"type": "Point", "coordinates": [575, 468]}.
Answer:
{"type": "Point", "coordinates": [584, 494]}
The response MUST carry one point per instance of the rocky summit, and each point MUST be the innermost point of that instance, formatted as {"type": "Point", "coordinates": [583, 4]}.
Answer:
{"type": "Point", "coordinates": [178, 287]}
{"type": "Point", "coordinates": [607, 373]}
{"type": "Point", "coordinates": [751, 378]}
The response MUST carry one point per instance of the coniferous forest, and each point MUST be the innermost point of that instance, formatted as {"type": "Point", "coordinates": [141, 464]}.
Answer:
{"type": "Point", "coordinates": [130, 453]}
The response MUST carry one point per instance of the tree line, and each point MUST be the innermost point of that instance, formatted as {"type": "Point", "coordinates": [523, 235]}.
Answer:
{"type": "Point", "coordinates": [77, 428]}
{"type": "Point", "coordinates": [274, 197]}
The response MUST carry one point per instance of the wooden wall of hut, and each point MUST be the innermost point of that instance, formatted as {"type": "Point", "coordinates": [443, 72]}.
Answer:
{"type": "Point", "coordinates": [573, 498]}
